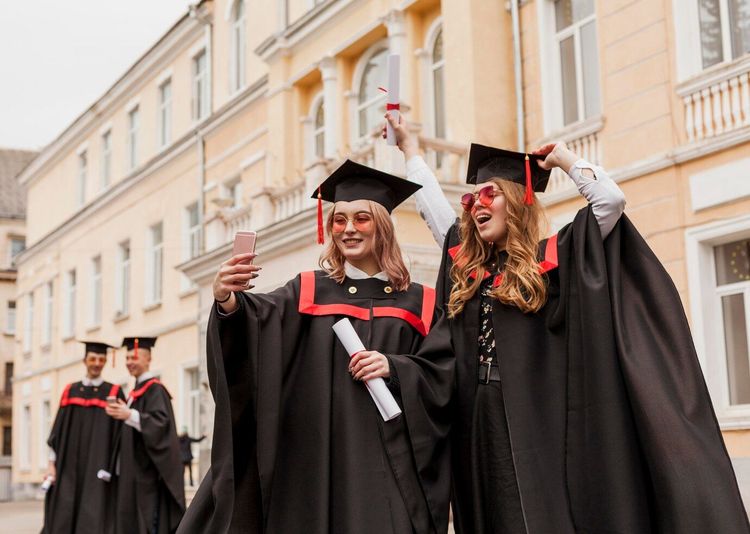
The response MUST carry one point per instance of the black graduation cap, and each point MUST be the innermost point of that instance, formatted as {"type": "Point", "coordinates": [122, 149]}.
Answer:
{"type": "Point", "coordinates": [486, 162]}
{"type": "Point", "coordinates": [140, 342]}
{"type": "Point", "coordinates": [354, 181]}
{"type": "Point", "coordinates": [96, 347]}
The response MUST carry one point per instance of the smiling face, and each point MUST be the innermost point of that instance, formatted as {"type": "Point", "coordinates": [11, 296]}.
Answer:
{"type": "Point", "coordinates": [491, 220]}
{"type": "Point", "coordinates": [353, 231]}
{"type": "Point", "coordinates": [94, 363]}
{"type": "Point", "coordinates": [137, 365]}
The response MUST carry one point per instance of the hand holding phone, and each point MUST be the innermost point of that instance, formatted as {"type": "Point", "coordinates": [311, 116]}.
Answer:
{"type": "Point", "coordinates": [244, 243]}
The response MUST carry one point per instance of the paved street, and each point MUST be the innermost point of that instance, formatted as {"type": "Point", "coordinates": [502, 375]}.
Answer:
{"type": "Point", "coordinates": [23, 517]}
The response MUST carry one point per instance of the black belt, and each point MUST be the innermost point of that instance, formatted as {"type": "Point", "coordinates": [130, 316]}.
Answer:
{"type": "Point", "coordinates": [488, 373]}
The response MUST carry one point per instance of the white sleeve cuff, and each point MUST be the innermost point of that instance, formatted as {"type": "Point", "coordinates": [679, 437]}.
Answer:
{"type": "Point", "coordinates": [52, 456]}
{"type": "Point", "coordinates": [432, 204]}
{"type": "Point", "coordinates": [134, 420]}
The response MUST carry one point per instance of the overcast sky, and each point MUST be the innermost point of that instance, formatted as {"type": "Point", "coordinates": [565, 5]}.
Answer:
{"type": "Point", "coordinates": [58, 56]}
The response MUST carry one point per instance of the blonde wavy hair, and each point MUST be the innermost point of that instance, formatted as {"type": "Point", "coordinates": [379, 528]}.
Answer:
{"type": "Point", "coordinates": [523, 285]}
{"type": "Point", "coordinates": [385, 248]}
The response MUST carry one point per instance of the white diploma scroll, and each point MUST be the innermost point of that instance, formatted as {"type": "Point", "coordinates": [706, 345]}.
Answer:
{"type": "Point", "coordinates": [394, 95]}
{"type": "Point", "coordinates": [381, 395]}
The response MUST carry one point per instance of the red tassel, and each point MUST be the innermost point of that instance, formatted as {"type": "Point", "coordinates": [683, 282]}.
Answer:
{"type": "Point", "coordinates": [135, 350]}
{"type": "Point", "coordinates": [321, 239]}
{"type": "Point", "coordinates": [528, 199]}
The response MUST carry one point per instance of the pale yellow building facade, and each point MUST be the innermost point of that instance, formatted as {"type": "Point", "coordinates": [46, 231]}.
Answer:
{"type": "Point", "coordinates": [237, 113]}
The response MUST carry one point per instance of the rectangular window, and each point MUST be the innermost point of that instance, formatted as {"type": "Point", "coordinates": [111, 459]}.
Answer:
{"type": "Point", "coordinates": [233, 191]}
{"type": "Point", "coordinates": [82, 171]}
{"type": "Point", "coordinates": [238, 47]}
{"type": "Point", "coordinates": [155, 264]}
{"type": "Point", "coordinates": [8, 387]}
{"type": "Point", "coordinates": [28, 326]}
{"type": "Point", "coordinates": [17, 245]}
{"type": "Point", "coordinates": [7, 440]}
{"type": "Point", "coordinates": [165, 113]}
{"type": "Point", "coordinates": [578, 57]}
{"type": "Point", "coordinates": [10, 317]}
{"type": "Point", "coordinates": [200, 86]}
{"type": "Point", "coordinates": [45, 424]}
{"type": "Point", "coordinates": [49, 310]}
{"type": "Point", "coordinates": [106, 177]}
{"type": "Point", "coordinates": [25, 452]}
{"type": "Point", "coordinates": [133, 125]}
{"type": "Point", "coordinates": [122, 281]}
{"type": "Point", "coordinates": [733, 288]}
{"type": "Point", "coordinates": [95, 315]}
{"type": "Point", "coordinates": [193, 231]}
{"type": "Point", "coordinates": [724, 30]}
{"type": "Point", "coordinates": [69, 314]}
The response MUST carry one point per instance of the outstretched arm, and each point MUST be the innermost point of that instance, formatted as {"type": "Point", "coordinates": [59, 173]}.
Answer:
{"type": "Point", "coordinates": [605, 196]}
{"type": "Point", "coordinates": [432, 204]}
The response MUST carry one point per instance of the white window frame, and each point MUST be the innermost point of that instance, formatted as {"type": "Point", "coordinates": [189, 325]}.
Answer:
{"type": "Point", "coordinates": [45, 425]}
{"type": "Point", "coordinates": [199, 81]}
{"type": "Point", "coordinates": [359, 72]}
{"type": "Point", "coordinates": [11, 254]}
{"type": "Point", "coordinates": [24, 451]}
{"type": "Point", "coordinates": [95, 302]}
{"type": "Point", "coordinates": [28, 323]}
{"type": "Point", "coordinates": [689, 53]}
{"type": "Point", "coordinates": [317, 104]}
{"type": "Point", "coordinates": [549, 43]}
{"type": "Point", "coordinates": [154, 266]}
{"type": "Point", "coordinates": [164, 111]}
{"type": "Point", "coordinates": [192, 241]}
{"type": "Point", "coordinates": [49, 307]}
{"type": "Point", "coordinates": [191, 399]}
{"type": "Point", "coordinates": [435, 30]}
{"type": "Point", "coordinates": [134, 120]}
{"type": "Point", "coordinates": [69, 312]}
{"type": "Point", "coordinates": [706, 313]}
{"type": "Point", "coordinates": [232, 189]}
{"type": "Point", "coordinates": [11, 317]}
{"type": "Point", "coordinates": [237, 47]}
{"type": "Point", "coordinates": [106, 163]}
{"type": "Point", "coordinates": [122, 279]}
{"type": "Point", "coordinates": [83, 164]}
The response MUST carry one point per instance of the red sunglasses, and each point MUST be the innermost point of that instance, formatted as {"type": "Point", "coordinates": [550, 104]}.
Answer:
{"type": "Point", "coordinates": [485, 196]}
{"type": "Point", "coordinates": [362, 222]}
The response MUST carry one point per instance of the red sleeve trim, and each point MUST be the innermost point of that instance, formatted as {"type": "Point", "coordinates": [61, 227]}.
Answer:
{"type": "Point", "coordinates": [550, 256]}
{"type": "Point", "coordinates": [64, 397]}
{"type": "Point", "coordinates": [86, 403]}
{"type": "Point", "coordinates": [141, 390]}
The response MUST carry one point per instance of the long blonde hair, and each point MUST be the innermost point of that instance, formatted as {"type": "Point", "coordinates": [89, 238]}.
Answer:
{"type": "Point", "coordinates": [522, 284]}
{"type": "Point", "coordinates": [385, 248]}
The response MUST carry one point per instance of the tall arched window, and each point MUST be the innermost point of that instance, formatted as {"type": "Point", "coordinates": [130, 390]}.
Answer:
{"type": "Point", "coordinates": [237, 56]}
{"type": "Point", "coordinates": [319, 138]}
{"type": "Point", "coordinates": [370, 98]}
{"type": "Point", "coordinates": [438, 85]}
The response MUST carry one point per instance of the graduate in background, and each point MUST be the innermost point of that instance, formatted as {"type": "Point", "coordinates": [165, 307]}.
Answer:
{"type": "Point", "coordinates": [581, 402]}
{"type": "Point", "coordinates": [81, 441]}
{"type": "Point", "coordinates": [149, 484]}
{"type": "Point", "coordinates": [299, 446]}
{"type": "Point", "coordinates": [186, 451]}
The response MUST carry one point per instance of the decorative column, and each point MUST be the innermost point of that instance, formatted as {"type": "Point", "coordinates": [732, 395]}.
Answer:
{"type": "Point", "coordinates": [328, 72]}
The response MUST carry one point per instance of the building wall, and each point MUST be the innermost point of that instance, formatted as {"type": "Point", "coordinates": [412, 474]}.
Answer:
{"type": "Point", "coordinates": [648, 131]}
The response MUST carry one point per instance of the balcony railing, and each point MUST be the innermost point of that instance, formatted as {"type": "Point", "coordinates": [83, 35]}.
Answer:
{"type": "Point", "coordinates": [717, 101]}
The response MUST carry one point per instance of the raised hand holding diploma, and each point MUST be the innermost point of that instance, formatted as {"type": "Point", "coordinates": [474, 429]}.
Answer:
{"type": "Point", "coordinates": [393, 105]}
{"type": "Point", "coordinates": [381, 395]}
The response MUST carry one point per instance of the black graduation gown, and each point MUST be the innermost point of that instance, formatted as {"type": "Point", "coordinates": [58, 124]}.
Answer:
{"type": "Point", "coordinates": [82, 437]}
{"type": "Point", "coordinates": [298, 445]}
{"type": "Point", "coordinates": [150, 487]}
{"type": "Point", "coordinates": [609, 420]}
